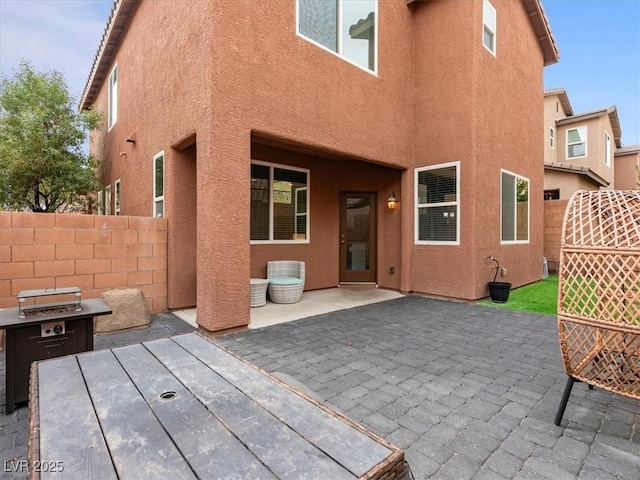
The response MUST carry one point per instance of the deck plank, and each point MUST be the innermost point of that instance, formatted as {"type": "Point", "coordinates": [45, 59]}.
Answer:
{"type": "Point", "coordinates": [67, 413]}
{"type": "Point", "coordinates": [211, 450]}
{"type": "Point", "coordinates": [285, 453]}
{"type": "Point", "coordinates": [139, 445]}
{"type": "Point", "coordinates": [355, 450]}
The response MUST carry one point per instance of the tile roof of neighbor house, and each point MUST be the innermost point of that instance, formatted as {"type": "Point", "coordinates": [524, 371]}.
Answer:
{"type": "Point", "coordinates": [564, 99]}
{"type": "Point", "coordinates": [579, 169]}
{"type": "Point", "coordinates": [628, 150]}
{"type": "Point", "coordinates": [613, 117]}
{"type": "Point", "coordinates": [123, 10]}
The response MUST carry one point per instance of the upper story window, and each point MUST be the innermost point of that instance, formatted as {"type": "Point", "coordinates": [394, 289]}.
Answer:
{"type": "Point", "coordinates": [112, 111]}
{"type": "Point", "coordinates": [116, 192]}
{"type": "Point", "coordinates": [514, 208]}
{"type": "Point", "coordinates": [279, 203]}
{"type": "Point", "coordinates": [158, 185]}
{"type": "Point", "coordinates": [489, 26]}
{"type": "Point", "coordinates": [345, 27]}
{"type": "Point", "coordinates": [437, 215]}
{"type": "Point", "coordinates": [607, 149]}
{"type": "Point", "coordinates": [577, 142]}
{"type": "Point", "coordinates": [552, 137]}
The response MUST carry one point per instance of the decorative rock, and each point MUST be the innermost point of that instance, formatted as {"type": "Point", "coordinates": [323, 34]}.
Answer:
{"type": "Point", "coordinates": [130, 310]}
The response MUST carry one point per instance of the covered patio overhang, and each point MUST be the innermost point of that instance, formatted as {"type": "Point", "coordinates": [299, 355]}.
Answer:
{"type": "Point", "coordinates": [339, 222]}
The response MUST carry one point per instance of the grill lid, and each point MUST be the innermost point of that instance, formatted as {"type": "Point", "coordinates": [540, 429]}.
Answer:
{"type": "Point", "coordinates": [69, 299]}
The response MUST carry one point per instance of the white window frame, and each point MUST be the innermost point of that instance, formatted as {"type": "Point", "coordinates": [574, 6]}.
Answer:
{"type": "Point", "coordinates": [107, 200]}
{"type": "Point", "coordinates": [272, 167]}
{"type": "Point", "coordinates": [100, 202]}
{"type": "Point", "coordinates": [490, 28]}
{"type": "Point", "coordinates": [112, 109]}
{"type": "Point", "coordinates": [116, 197]}
{"type": "Point", "coordinates": [340, 39]}
{"type": "Point", "coordinates": [515, 213]}
{"type": "Point", "coordinates": [418, 206]}
{"type": "Point", "coordinates": [158, 199]}
{"type": "Point", "coordinates": [552, 138]}
{"type": "Point", "coordinates": [586, 132]}
{"type": "Point", "coordinates": [607, 149]}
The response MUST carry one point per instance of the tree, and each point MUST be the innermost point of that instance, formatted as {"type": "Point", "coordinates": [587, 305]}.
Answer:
{"type": "Point", "coordinates": [43, 163]}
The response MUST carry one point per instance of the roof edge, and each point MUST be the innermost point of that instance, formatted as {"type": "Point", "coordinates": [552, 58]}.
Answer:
{"type": "Point", "coordinates": [577, 169]}
{"type": "Point", "coordinates": [564, 99]}
{"type": "Point", "coordinates": [542, 29]}
{"type": "Point", "coordinates": [115, 27]}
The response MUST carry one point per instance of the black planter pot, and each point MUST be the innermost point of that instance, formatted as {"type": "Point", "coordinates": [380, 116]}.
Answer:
{"type": "Point", "coordinates": [499, 291]}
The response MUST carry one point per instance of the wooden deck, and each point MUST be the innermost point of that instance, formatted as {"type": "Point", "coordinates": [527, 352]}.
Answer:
{"type": "Point", "coordinates": [184, 407]}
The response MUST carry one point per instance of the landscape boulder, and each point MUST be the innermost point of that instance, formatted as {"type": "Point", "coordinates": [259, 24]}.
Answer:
{"type": "Point", "coordinates": [129, 307]}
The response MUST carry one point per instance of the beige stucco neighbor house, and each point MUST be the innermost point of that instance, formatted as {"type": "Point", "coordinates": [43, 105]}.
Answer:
{"type": "Point", "coordinates": [627, 171]}
{"type": "Point", "coordinates": [279, 130]}
{"type": "Point", "coordinates": [584, 151]}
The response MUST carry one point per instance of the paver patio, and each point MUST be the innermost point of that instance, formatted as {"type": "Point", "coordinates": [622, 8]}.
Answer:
{"type": "Point", "coordinates": [468, 391]}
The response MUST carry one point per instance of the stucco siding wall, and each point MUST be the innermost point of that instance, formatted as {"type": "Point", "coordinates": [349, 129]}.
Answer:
{"type": "Point", "coordinates": [626, 172]}
{"type": "Point", "coordinates": [276, 82]}
{"type": "Point", "coordinates": [463, 98]}
{"type": "Point", "coordinates": [596, 128]}
{"type": "Point", "coordinates": [552, 111]}
{"type": "Point", "coordinates": [94, 253]}
{"type": "Point", "coordinates": [164, 104]}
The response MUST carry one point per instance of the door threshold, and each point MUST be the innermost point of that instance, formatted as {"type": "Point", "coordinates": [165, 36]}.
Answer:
{"type": "Point", "coordinates": [358, 284]}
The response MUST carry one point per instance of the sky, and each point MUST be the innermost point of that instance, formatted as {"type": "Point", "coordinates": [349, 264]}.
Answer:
{"type": "Point", "coordinates": [599, 43]}
{"type": "Point", "coordinates": [599, 67]}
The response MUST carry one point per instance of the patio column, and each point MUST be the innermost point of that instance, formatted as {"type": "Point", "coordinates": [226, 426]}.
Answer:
{"type": "Point", "coordinates": [223, 228]}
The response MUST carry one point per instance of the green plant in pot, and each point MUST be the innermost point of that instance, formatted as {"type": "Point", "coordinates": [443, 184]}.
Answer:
{"type": "Point", "coordinates": [498, 291]}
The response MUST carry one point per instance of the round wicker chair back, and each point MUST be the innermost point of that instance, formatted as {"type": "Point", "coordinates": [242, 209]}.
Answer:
{"type": "Point", "coordinates": [599, 291]}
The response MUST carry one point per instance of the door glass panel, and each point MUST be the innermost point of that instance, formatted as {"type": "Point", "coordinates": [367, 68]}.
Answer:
{"type": "Point", "coordinates": [358, 228]}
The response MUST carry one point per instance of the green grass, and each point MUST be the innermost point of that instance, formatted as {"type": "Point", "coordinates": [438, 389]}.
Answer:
{"type": "Point", "coordinates": [539, 297]}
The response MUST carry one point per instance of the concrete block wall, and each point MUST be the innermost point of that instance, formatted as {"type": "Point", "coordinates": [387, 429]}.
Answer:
{"type": "Point", "coordinates": [553, 216]}
{"type": "Point", "coordinates": [93, 252]}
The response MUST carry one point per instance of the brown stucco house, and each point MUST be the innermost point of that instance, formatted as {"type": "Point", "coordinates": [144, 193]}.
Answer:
{"type": "Point", "coordinates": [279, 130]}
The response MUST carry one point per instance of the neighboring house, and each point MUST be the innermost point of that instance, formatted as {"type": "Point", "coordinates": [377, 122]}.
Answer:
{"type": "Point", "coordinates": [278, 130]}
{"type": "Point", "coordinates": [627, 173]}
{"type": "Point", "coordinates": [579, 148]}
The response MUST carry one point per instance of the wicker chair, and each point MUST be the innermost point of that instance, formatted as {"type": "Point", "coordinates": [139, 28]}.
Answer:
{"type": "Point", "coordinates": [599, 293]}
{"type": "Point", "coordinates": [286, 280]}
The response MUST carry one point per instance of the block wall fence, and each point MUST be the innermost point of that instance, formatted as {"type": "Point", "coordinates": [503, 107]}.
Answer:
{"type": "Point", "coordinates": [553, 217]}
{"type": "Point", "coordinates": [93, 252]}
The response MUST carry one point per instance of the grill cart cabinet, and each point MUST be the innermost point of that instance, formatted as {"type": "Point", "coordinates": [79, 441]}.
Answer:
{"type": "Point", "coordinates": [41, 332]}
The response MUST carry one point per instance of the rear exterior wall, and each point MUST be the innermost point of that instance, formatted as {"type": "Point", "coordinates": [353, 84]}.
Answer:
{"type": "Point", "coordinates": [465, 99]}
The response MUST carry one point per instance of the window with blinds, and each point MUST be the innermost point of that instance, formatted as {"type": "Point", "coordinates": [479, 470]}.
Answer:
{"type": "Point", "coordinates": [279, 203]}
{"type": "Point", "coordinates": [437, 216]}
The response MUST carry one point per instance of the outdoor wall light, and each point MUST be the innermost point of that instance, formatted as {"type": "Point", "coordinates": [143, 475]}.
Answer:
{"type": "Point", "coordinates": [392, 201]}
